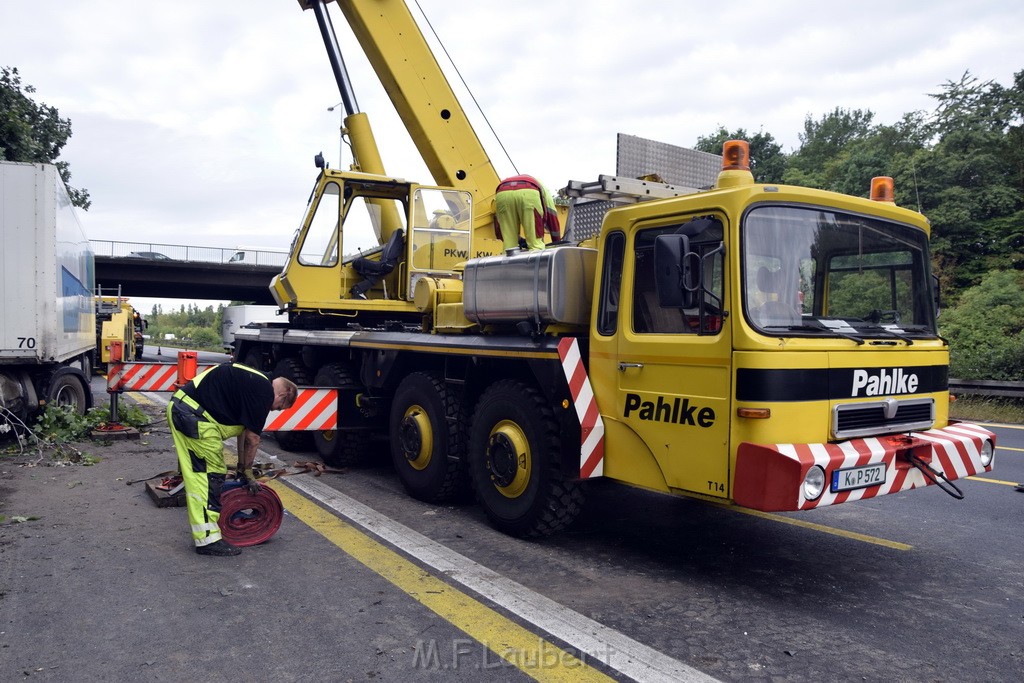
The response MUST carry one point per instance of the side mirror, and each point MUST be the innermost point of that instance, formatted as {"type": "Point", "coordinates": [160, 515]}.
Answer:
{"type": "Point", "coordinates": [937, 294]}
{"type": "Point", "coordinates": [676, 271]}
{"type": "Point", "coordinates": [319, 161]}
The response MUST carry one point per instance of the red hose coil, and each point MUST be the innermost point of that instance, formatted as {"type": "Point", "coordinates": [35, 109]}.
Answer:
{"type": "Point", "coordinates": [249, 519]}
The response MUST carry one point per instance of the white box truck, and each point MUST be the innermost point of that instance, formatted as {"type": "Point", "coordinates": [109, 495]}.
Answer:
{"type": "Point", "coordinates": [241, 315]}
{"type": "Point", "coordinates": [47, 314]}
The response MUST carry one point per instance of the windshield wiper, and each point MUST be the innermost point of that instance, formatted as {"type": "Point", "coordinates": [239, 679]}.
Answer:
{"type": "Point", "coordinates": [816, 328]}
{"type": "Point", "coordinates": [887, 332]}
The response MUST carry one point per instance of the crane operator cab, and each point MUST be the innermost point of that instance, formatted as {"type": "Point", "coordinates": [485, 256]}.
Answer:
{"type": "Point", "coordinates": [370, 238]}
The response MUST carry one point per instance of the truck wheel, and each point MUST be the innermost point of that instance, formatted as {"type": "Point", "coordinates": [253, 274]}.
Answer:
{"type": "Point", "coordinates": [426, 438]}
{"type": "Point", "coordinates": [514, 461]}
{"type": "Point", "coordinates": [293, 369]}
{"type": "Point", "coordinates": [66, 390]}
{"type": "Point", "coordinates": [339, 448]}
{"type": "Point", "coordinates": [254, 359]}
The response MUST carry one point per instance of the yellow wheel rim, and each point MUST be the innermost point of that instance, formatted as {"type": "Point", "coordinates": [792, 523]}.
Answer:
{"type": "Point", "coordinates": [508, 459]}
{"type": "Point", "coordinates": [416, 437]}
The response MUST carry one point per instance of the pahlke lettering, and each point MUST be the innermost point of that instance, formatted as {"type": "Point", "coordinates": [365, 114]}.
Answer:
{"type": "Point", "coordinates": [676, 411]}
{"type": "Point", "coordinates": [883, 382]}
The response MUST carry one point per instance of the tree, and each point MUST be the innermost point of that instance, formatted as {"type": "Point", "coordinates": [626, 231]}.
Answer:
{"type": "Point", "coordinates": [33, 132]}
{"type": "Point", "coordinates": [822, 144]}
{"type": "Point", "coordinates": [971, 180]}
{"type": "Point", "coordinates": [986, 329]}
{"type": "Point", "coordinates": [767, 161]}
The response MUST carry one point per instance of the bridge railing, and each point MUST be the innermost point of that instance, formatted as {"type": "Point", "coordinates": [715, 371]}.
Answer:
{"type": "Point", "coordinates": [181, 252]}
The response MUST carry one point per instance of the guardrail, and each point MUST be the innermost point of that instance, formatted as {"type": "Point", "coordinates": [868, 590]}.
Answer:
{"type": "Point", "coordinates": [985, 387]}
{"type": "Point", "coordinates": [181, 252]}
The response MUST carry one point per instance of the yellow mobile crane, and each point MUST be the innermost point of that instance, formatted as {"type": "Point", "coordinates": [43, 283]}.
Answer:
{"type": "Point", "coordinates": [769, 346]}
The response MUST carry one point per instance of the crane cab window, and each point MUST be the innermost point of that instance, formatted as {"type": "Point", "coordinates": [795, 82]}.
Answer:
{"type": "Point", "coordinates": [364, 221]}
{"type": "Point", "coordinates": [815, 272]}
{"type": "Point", "coordinates": [611, 284]}
{"type": "Point", "coordinates": [441, 225]}
{"type": "Point", "coordinates": [705, 316]}
{"type": "Point", "coordinates": [320, 243]}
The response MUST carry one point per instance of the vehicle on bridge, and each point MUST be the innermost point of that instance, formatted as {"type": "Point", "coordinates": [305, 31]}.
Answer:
{"type": "Point", "coordinates": [259, 256]}
{"type": "Point", "coordinates": [768, 346]}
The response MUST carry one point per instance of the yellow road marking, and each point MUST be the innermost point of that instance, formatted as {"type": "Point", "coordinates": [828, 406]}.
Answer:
{"type": "Point", "coordinates": [525, 650]}
{"type": "Point", "coordinates": [142, 398]}
{"type": "Point", "coordinates": [994, 481]}
{"type": "Point", "coordinates": [1009, 448]}
{"type": "Point", "coordinates": [896, 545]}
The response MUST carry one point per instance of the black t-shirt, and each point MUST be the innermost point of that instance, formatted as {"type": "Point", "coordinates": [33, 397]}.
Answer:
{"type": "Point", "coordinates": [234, 396]}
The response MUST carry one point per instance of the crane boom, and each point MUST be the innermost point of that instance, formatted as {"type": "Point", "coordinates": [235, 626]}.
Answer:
{"type": "Point", "coordinates": [420, 92]}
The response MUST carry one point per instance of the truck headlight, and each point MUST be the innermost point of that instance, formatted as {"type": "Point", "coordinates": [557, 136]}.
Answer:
{"type": "Point", "coordinates": [988, 451]}
{"type": "Point", "coordinates": [814, 483]}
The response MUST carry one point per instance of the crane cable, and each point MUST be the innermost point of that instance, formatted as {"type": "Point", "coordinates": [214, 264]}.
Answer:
{"type": "Point", "coordinates": [466, 86]}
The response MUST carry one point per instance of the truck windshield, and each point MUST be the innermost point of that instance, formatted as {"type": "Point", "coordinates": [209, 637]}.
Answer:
{"type": "Point", "coordinates": [816, 272]}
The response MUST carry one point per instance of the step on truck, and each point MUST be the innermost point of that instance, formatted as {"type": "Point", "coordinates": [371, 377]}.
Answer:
{"type": "Point", "coordinates": [47, 315]}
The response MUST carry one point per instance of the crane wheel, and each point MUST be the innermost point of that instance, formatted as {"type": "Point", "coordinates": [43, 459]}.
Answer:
{"type": "Point", "coordinates": [427, 438]}
{"type": "Point", "coordinates": [515, 462]}
{"type": "Point", "coordinates": [293, 369]}
{"type": "Point", "coordinates": [340, 448]}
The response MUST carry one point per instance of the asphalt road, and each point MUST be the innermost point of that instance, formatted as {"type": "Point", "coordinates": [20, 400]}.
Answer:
{"type": "Point", "coordinates": [104, 586]}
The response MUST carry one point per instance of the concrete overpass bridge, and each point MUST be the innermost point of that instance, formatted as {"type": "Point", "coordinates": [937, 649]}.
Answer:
{"type": "Point", "coordinates": [144, 269]}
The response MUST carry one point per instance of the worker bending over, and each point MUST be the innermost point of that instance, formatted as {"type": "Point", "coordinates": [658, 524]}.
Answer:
{"type": "Point", "coordinates": [225, 401]}
{"type": "Point", "coordinates": [522, 202]}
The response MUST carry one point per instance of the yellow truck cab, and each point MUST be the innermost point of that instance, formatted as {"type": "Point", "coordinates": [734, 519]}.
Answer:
{"type": "Point", "coordinates": [773, 345]}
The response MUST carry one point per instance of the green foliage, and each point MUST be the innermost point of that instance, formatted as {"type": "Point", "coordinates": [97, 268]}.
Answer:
{"type": "Point", "coordinates": [33, 132]}
{"type": "Point", "coordinates": [986, 329]}
{"type": "Point", "coordinates": [58, 425]}
{"type": "Point", "coordinates": [858, 294]}
{"type": "Point", "coordinates": [196, 327]}
{"type": "Point", "coordinates": [987, 409]}
{"type": "Point", "coordinates": [962, 165]}
{"type": "Point", "coordinates": [767, 162]}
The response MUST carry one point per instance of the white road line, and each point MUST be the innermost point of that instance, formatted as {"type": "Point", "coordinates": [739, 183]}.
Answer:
{"type": "Point", "coordinates": [615, 650]}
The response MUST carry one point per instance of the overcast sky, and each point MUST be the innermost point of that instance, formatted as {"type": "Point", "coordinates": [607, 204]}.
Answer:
{"type": "Point", "coordinates": [196, 122]}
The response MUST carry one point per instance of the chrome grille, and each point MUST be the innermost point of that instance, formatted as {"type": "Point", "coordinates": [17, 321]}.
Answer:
{"type": "Point", "coordinates": [882, 417]}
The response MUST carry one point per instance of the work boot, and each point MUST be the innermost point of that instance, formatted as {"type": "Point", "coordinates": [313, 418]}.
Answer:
{"type": "Point", "coordinates": [219, 548]}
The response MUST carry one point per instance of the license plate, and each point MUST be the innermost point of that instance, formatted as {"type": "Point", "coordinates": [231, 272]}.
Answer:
{"type": "Point", "coordinates": [858, 477]}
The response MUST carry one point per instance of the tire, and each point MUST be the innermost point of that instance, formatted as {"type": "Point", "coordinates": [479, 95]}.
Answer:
{"type": "Point", "coordinates": [66, 390]}
{"type": "Point", "coordinates": [293, 369]}
{"type": "Point", "coordinates": [515, 462]}
{"type": "Point", "coordinates": [339, 448]}
{"type": "Point", "coordinates": [254, 359]}
{"type": "Point", "coordinates": [427, 438]}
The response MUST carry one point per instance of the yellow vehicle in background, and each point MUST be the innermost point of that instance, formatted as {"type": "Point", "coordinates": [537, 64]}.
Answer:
{"type": "Point", "coordinates": [117, 320]}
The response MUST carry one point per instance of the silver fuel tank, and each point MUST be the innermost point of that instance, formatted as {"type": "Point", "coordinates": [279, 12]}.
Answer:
{"type": "Point", "coordinates": [555, 285]}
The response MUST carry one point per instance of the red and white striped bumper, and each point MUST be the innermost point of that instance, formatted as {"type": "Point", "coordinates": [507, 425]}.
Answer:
{"type": "Point", "coordinates": [769, 477]}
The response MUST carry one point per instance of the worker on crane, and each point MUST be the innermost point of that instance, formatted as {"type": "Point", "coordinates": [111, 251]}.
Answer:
{"type": "Point", "coordinates": [225, 401]}
{"type": "Point", "coordinates": [522, 202]}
